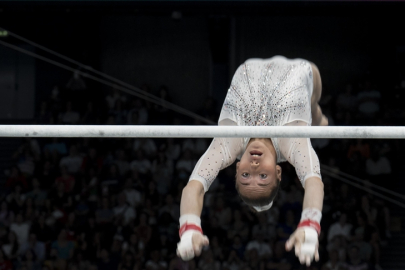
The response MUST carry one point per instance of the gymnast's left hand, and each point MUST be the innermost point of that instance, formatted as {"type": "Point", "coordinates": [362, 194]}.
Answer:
{"type": "Point", "coordinates": [305, 242]}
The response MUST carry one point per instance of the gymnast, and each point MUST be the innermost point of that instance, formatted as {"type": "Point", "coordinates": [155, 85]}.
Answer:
{"type": "Point", "coordinates": [264, 92]}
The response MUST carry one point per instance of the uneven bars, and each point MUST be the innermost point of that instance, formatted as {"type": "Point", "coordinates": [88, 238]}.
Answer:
{"type": "Point", "coordinates": [106, 131]}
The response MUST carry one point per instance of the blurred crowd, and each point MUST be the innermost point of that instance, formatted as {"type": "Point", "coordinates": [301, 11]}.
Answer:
{"type": "Point", "coordinates": [109, 204]}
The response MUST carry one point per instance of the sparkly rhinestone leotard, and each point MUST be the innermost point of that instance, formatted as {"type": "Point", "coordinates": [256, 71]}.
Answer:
{"type": "Point", "coordinates": [265, 92]}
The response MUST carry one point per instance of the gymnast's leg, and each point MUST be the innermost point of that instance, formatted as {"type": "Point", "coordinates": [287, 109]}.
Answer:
{"type": "Point", "coordinates": [318, 119]}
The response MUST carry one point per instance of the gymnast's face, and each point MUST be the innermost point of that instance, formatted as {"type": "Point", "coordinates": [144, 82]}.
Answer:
{"type": "Point", "coordinates": [257, 171]}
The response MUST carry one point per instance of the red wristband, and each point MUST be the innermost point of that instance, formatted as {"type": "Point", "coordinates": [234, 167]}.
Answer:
{"type": "Point", "coordinates": [310, 223]}
{"type": "Point", "coordinates": [187, 227]}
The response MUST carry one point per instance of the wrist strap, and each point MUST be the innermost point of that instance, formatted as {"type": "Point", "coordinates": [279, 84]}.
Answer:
{"type": "Point", "coordinates": [310, 223]}
{"type": "Point", "coordinates": [312, 214]}
{"type": "Point", "coordinates": [186, 227]}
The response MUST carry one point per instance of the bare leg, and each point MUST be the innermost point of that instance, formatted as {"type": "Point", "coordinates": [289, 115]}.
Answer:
{"type": "Point", "coordinates": [318, 119]}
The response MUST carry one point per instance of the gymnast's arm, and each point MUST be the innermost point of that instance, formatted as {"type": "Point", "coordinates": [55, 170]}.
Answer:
{"type": "Point", "coordinates": [299, 152]}
{"type": "Point", "coordinates": [192, 198]}
{"type": "Point", "coordinates": [314, 193]}
{"type": "Point", "coordinates": [221, 153]}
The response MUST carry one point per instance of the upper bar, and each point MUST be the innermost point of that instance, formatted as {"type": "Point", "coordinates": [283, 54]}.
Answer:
{"type": "Point", "coordinates": [348, 132]}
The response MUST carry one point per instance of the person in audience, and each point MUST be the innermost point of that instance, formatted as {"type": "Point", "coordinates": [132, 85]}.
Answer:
{"type": "Point", "coordinates": [340, 227]}
{"type": "Point", "coordinates": [21, 228]}
{"type": "Point", "coordinates": [355, 262]}
{"type": "Point", "coordinates": [11, 247]}
{"type": "Point", "coordinates": [37, 247]}
{"type": "Point", "coordinates": [333, 263]}
{"type": "Point", "coordinates": [69, 116]}
{"type": "Point", "coordinates": [73, 161]}
{"type": "Point", "coordinates": [123, 210]}
{"type": "Point", "coordinates": [64, 248]}
{"type": "Point", "coordinates": [5, 263]}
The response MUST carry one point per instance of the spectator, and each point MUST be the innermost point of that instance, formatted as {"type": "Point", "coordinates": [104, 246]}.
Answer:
{"type": "Point", "coordinates": [66, 179]}
{"type": "Point", "coordinates": [155, 262]}
{"type": "Point", "coordinates": [172, 149]}
{"type": "Point", "coordinates": [162, 171]}
{"type": "Point", "coordinates": [119, 113]}
{"type": "Point", "coordinates": [47, 174]}
{"type": "Point", "coordinates": [135, 246]}
{"type": "Point", "coordinates": [29, 261]}
{"type": "Point", "coordinates": [143, 229]}
{"type": "Point", "coordinates": [147, 146]}
{"type": "Point", "coordinates": [63, 247]}
{"type": "Point", "coordinates": [42, 231]}
{"type": "Point", "coordinates": [55, 145]}
{"type": "Point", "coordinates": [61, 199]}
{"type": "Point", "coordinates": [5, 264]}
{"type": "Point", "coordinates": [217, 250]}
{"type": "Point", "coordinates": [377, 165]}
{"type": "Point", "coordinates": [222, 212]}
{"type": "Point", "coordinates": [185, 165]}
{"type": "Point", "coordinates": [76, 83]}
{"type": "Point", "coordinates": [355, 262]}
{"type": "Point", "coordinates": [258, 244]}
{"type": "Point", "coordinates": [140, 111]}
{"type": "Point", "coordinates": [90, 116]}
{"type": "Point", "coordinates": [239, 227]}
{"type": "Point", "coordinates": [121, 162]}
{"type": "Point", "coordinates": [369, 100]}
{"type": "Point", "coordinates": [279, 261]}
{"type": "Point", "coordinates": [69, 116]}
{"type": "Point", "coordinates": [37, 194]}
{"type": "Point", "coordinates": [43, 116]}
{"type": "Point", "coordinates": [263, 228]}
{"type": "Point", "coordinates": [141, 164]}
{"type": "Point", "coordinates": [105, 262]}
{"type": "Point", "coordinates": [346, 101]}
{"type": "Point", "coordinates": [333, 263]}
{"type": "Point", "coordinates": [113, 97]}
{"type": "Point", "coordinates": [361, 147]}
{"type": "Point", "coordinates": [285, 229]}
{"type": "Point", "coordinates": [369, 211]}
{"type": "Point", "coordinates": [123, 210]}
{"type": "Point", "coordinates": [233, 261]}
{"type": "Point", "coordinates": [16, 178]}
{"type": "Point", "coordinates": [340, 228]}
{"type": "Point", "coordinates": [170, 207]}
{"type": "Point", "coordinates": [253, 260]}
{"type": "Point", "coordinates": [110, 183]}
{"type": "Point", "coordinates": [73, 161]}
{"type": "Point", "coordinates": [21, 228]}
{"type": "Point", "coordinates": [25, 161]}
{"type": "Point", "coordinates": [196, 146]}
{"type": "Point", "coordinates": [37, 247]}
{"type": "Point", "coordinates": [208, 262]}
{"type": "Point", "coordinates": [92, 161]}
{"type": "Point", "coordinates": [104, 215]}
{"type": "Point", "coordinates": [16, 199]}
{"type": "Point", "coordinates": [213, 229]}
{"type": "Point", "coordinates": [238, 246]}
{"type": "Point", "coordinates": [133, 196]}
{"type": "Point", "coordinates": [128, 262]}
{"type": "Point", "coordinates": [6, 216]}
{"type": "Point", "coordinates": [10, 249]}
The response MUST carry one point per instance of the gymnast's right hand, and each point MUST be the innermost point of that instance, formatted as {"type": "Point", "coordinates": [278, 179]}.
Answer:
{"type": "Point", "coordinates": [191, 244]}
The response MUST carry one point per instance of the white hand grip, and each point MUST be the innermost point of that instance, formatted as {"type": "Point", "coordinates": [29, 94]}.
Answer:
{"type": "Point", "coordinates": [185, 247]}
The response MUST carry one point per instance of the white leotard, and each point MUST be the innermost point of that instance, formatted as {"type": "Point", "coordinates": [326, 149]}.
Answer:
{"type": "Point", "coordinates": [265, 92]}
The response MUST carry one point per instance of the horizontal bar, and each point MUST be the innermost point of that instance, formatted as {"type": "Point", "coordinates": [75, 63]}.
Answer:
{"type": "Point", "coordinates": [343, 132]}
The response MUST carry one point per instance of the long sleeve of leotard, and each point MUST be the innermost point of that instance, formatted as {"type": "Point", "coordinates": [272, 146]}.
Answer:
{"type": "Point", "coordinates": [220, 154]}
{"type": "Point", "coordinates": [299, 153]}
